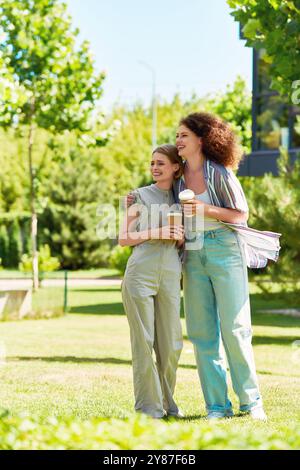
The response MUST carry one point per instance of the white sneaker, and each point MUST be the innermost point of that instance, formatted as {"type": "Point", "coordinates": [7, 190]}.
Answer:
{"type": "Point", "coordinates": [258, 413]}
{"type": "Point", "coordinates": [220, 414]}
{"type": "Point", "coordinates": [178, 415]}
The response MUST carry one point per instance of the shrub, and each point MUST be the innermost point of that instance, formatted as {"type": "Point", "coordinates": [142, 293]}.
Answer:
{"type": "Point", "coordinates": [14, 245]}
{"type": "Point", "coordinates": [4, 245]}
{"type": "Point", "coordinates": [119, 257]}
{"type": "Point", "coordinates": [274, 205]}
{"type": "Point", "coordinates": [25, 432]}
{"type": "Point", "coordinates": [47, 262]}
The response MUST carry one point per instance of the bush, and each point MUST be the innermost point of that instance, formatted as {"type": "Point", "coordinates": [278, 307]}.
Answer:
{"type": "Point", "coordinates": [47, 263]}
{"type": "Point", "coordinates": [119, 257]}
{"type": "Point", "coordinates": [24, 432]}
{"type": "Point", "coordinates": [14, 245]}
{"type": "Point", "coordinates": [274, 205]}
{"type": "Point", "coordinates": [4, 245]}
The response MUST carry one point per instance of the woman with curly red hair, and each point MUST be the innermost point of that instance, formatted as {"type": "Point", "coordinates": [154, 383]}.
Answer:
{"type": "Point", "coordinates": [216, 295]}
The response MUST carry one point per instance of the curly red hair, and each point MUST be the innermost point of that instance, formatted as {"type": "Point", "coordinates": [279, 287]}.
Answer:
{"type": "Point", "coordinates": [219, 142]}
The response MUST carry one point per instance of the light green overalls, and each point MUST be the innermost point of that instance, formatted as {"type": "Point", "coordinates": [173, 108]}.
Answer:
{"type": "Point", "coordinates": [151, 297]}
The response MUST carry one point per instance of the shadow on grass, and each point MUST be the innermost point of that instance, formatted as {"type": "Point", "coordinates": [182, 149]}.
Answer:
{"type": "Point", "coordinates": [115, 308]}
{"type": "Point", "coordinates": [274, 340]}
{"type": "Point", "coordinates": [186, 418]}
{"type": "Point", "coordinates": [99, 309]}
{"type": "Point", "coordinates": [277, 374]}
{"type": "Point", "coordinates": [113, 276]}
{"type": "Point", "coordinates": [122, 362]}
{"type": "Point", "coordinates": [259, 301]}
{"type": "Point", "coordinates": [87, 360]}
{"type": "Point", "coordinates": [96, 289]}
{"type": "Point", "coordinates": [272, 319]}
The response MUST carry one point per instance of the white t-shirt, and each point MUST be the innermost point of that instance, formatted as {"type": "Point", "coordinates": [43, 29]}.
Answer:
{"type": "Point", "coordinates": [208, 223]}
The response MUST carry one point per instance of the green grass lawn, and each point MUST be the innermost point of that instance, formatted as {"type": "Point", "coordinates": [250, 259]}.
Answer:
{"type": "Point", "coordinates": [79, 366]}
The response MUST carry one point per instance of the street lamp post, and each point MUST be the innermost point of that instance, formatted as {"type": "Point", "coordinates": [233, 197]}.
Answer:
{"type": "Point", "coordinates": [154, 106]}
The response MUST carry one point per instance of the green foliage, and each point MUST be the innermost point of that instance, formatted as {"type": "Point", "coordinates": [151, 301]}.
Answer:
{"type": "Point", "coordinates": [124, 161]}
{"type": "Point", "coordinates": [71, 178]}
{"type": "Point", "coordinates": [119, 257]}
{"type": "Point", "coordinates": [69, 221]}
{"type": "Point", "coordinates": [11, 242]}
{"type": "Point", "coordinates": [10, 91]}
{"type": "Point", "coordinates": [274, 205]}
{"type": "Point", "coordinates": [13, 181]}
{"type": "Point", "coordinates": [39, 55]}
{"type": "Point", "coordinates": [4, 246]}
{"type": "Point", "coordinates": [47, 263]}
{"type": "Point", "coordinates": [40, 52]}
{"type": "Point", "coordinates": [235, 107]}
{"type": "Point", "coordinates": [274, 26]}
{"type": "Point", "coordinates": [25, 432]}
{"type": "Point", "coordinates": [14, 245]}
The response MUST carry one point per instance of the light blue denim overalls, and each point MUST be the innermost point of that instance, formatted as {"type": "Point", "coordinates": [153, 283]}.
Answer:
{"type": "Point", "coordinates": [217, 308]}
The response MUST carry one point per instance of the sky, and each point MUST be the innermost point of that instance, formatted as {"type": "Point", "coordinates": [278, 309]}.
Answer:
{"type": "Point", "coordinates": [193, 46]}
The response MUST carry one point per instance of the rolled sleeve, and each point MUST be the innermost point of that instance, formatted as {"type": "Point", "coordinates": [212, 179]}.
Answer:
{"type": "Point", "coordinates": [233, 196]}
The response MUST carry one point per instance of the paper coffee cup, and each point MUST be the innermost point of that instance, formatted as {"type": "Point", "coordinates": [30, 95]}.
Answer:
{"type": "Point", "coordinates": [174, 218]}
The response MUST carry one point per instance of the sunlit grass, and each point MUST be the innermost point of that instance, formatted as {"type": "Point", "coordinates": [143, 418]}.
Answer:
{"type": "Point", "coordinates": [80, 365]}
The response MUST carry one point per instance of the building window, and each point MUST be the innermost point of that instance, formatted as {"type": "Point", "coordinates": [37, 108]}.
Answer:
{"type": "Point", "coordinates": [272, 123]}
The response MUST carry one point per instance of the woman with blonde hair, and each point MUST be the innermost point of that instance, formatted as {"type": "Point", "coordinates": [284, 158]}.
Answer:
{"type": "Point", "coordinates": [151, 287]}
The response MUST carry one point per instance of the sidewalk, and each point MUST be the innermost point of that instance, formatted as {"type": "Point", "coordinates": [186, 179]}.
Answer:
{"type": "Point", "coordinates": [11, 284]}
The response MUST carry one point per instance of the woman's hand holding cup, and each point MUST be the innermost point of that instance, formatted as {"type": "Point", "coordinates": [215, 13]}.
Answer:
{"type": "Point", "coordinates": [168, 232]}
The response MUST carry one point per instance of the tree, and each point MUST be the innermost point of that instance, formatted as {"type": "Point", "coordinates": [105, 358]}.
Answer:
{"type": "Point", "coordinates": [124, 161]}
{"type": "Point", "coordinates": [58, 79]}
{"type": "Point", "coordinates": [14, 187]}
{"type": "Point", "coordinates": [69, 220]}
{"type": "Point", "coordinates": [73, 178]}
{"type": "Point", "coordinates": [12, 94]}
{"type": "Point", "coordinates": [274, 27]}
{"type": "Point", "coordinates": [14, 245]}
{"type": "Point", "coordinates": [235, 107]}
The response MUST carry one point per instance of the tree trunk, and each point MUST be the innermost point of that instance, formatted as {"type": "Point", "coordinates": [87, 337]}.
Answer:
{"type": "Point", "coordinates": [34, 220]}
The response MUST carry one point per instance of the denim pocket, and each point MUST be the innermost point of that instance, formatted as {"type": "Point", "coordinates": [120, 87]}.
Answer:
{"type": "Point", "coordinates": [227, 239]}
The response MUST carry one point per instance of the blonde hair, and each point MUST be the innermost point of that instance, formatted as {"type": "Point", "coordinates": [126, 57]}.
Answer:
{"type": "Point", "coordinates": [171, 152]}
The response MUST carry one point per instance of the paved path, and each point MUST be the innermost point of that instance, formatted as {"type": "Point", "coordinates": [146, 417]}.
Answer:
{"type": "Point", "coordinates": [10, 284]}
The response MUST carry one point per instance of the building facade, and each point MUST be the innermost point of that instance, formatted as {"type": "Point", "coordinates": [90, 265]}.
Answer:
{"type": "Point", "coordinates": [275, 123]}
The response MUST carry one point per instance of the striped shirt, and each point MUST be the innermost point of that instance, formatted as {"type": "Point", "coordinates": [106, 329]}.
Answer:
{"type": "Point", "coordinates": [226, 191]}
